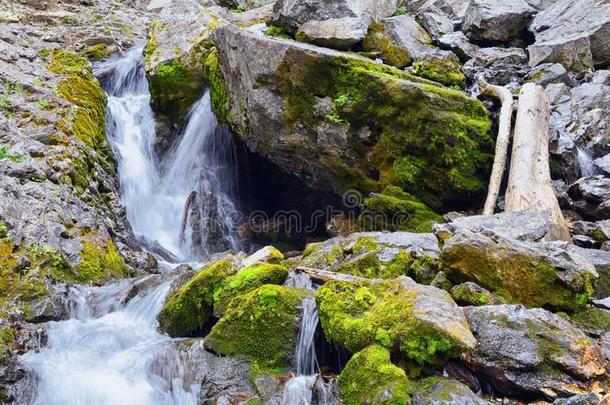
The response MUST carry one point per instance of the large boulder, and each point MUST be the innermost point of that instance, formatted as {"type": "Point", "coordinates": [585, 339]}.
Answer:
{"type": "Point", "coordinates": [303, 107]}
{"type": "Point", "coordinates": [532, 352]}
{"type": "Point", "coordinates": [601, 260]}
{"type": "Point", "coordinates": [261, 327]}
{"type": "Point", "coordinates": [398, 40]}
{"type": "Point", "coordinates": [490, 20]}
{"type": "Point", "coordinates": [376, 255]}
{"type": "Point", "coordinates": [575, 33]}
{"type": "Point", "coordinates": [369, 377]}
{"type": "Point", "coordinates": [534, 274]}
{"type": "Point", "coordinates": [291, 14]}
{"type": "Point", "coordinates": [592, 197]}
{"type": "Point", "coordinates": [416, 322]}
{"type": "Point", "coordinates": [445, 391]}
{"type": "Point", "coordinates": [336, 33]}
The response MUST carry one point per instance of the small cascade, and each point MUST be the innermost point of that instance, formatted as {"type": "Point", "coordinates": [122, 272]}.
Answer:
{"type": "Point", "coordinates": [307, 386]}
{"type": "Point", "coordinates": [98, 358]}
{"type": "Point", "coordinates": [185, 201]}
{"type": "Point", "coordinates": [584, 160]}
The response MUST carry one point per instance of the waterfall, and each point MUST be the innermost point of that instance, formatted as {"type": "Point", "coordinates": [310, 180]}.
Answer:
{"type": "Point", "coordinates": [585, 163]}
{"type": "Point", "coordinates": [306, 352]}
{"type": "Point", "coordinates": [96, 358]}
{"type": "Point", "coordinates": [185, 200]}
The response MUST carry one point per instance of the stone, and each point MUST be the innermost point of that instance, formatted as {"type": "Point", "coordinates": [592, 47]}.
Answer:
{"type": "Point", "coordinates": [458, 43]}
{"type": "Point", "coordinates": [469, 293]}
{"type": "Point", "coordinates": [580, 399]}
{"type": "Point", "coordinates": [592, 197]}
{"type": "Point", "coordinates": [441, 66]}
{"type": "Point", "coordinates": [574, 33]}
{"type": "Point", "coordinates": [488, 20]}
{"type": "Point", "coordinates": [601, 260]}
{"type": "Point", "coordinates": [336, 33]}
{"type": "Point", "coordinates": [446, 391]}
{"type": "Point", "coordinates": [534, 274]}
{"type": "Point", "coordinates": [500, 66]}
{"type": "Point", "coordinates": [398, 40]}
{"type": "Point", "coordinates": [302, 123]}
{"type": "Point", "coordinates": [414, 321]}
{"type": "Point", "coordinates": [268, 254]}
{"type": "Point", "coordinates": [292, 14]}
{"type": "Point", "coordinates": [532, 352]}
{"type": "Point", "coordinates": [593, 321]}
{"type": "Point", "coordinates": [547, 73]}
{"type": "Point", "coordinates": [604, 164]}
{"type": "Point", "coordinates": [435, 22]}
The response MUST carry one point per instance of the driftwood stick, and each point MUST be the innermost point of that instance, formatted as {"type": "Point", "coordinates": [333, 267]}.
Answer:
{"type": "Point", "coordinates": [185, 214]}
{"type": "Point", "coordinates": [529, 183]}
{"type": "Point", "coordinates": [322, 276]}
{"type": "Point", "coordinates": [502, 140]}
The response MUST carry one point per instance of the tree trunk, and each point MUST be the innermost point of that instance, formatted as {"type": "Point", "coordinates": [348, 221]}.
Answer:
{"type": "Point", "coordinates": [529, 183]}
{"type": "Point", "coordinates": [506, 112]}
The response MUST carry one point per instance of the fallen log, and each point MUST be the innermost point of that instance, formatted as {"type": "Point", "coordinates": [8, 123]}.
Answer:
{"type": "Point", "coordinates": [529, 182]}
{"type": "Point", "coordinates": [323, 276]}
{"type": "Point", "coordinates": [502, 140]}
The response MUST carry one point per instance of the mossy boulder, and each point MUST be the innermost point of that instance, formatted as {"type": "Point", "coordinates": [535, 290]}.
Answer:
{"type": "Point", "coordinates": [248, 279]}
{"type": "Point", "coordinates": [444, 391]}
{"type": "Point", "coordinates": [441, 66]}
{"type": "Point", "coordinates": [189, 308]}
{"type": "Point", "coordinates": [594, 321]}
{"type": "Point", "coordinates": [179, 41]}
{"type": "Point", "coordinates": [370, 378]}
{"type": "Point", "coordinates": [260, 326]}
{"type": "Point", "coordinates": [419, 323]}
{"type": "Point", "coordinates": [528, 273]}
{"type": "Point", "coordinates": [472, 294]}
{"type": "Point", "coordinates": [376, 255]}
{"type": "Point", "coordinates": [303, 107]}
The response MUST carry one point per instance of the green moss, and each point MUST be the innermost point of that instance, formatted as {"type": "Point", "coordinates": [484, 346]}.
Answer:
{"type": "Point", "coordinates": [219, 94]}
{"type": "Point", "coordinates": [377, 41]}
{"type": "Point", "coordinates": [356, 315]}
{"type": "Point", "coordinates": [466, 294]}
{"type": "Point", "coordinates": [370, 378]}
{"type": "Point", "coordinates": [431, 140]}
{"type": "Point", "coordinates": [261, 327]}
{"type": "Point", "coordinates": [248, 279]}
{"type": "Point", "coordinates": [98, 52]}
{"type": "Point", "coordinates": [396, 210]}
{"type": "Point", "coordinates": [99, 262]}
{"type": "Point", "coordinates": [593, 320]}
{"type": "Point", "coordinates": [279, 32]}
{"type": "Point", "coordinates": [7, 336]}
{"type": "Point", "coordinates": [83, 90]}
{"type": "Point", "coordinates": [515, 277]}
{"type": "Point", "coordinates": [443, 70]}
{"type": "Point", "coordinates": [189, 308]}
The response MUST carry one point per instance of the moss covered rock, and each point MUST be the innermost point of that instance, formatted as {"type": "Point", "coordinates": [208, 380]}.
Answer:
{"type": "Point", "coordinates": [248, 279]}
{"type": "Point", "coordinates": [302, 107]}
{"type": "Point", "coordinates": [190, 307]}
{"type": "Point", "coordinates": [532, 274]}
{"type": "Point", "coordinates": [376, 255]}
{"type": "Point", "coordinates": [594, 321]}
{"type": "Point", "coordinates": [370, 378]}
{"type": "Point", "coordinates": [261, 327]}
{"type": "Point", "coordinates": [419, 323]}
{"type": "Point", "coordinates": [441, 66]}
{"type": "Point", "coordinates": [472, 294]}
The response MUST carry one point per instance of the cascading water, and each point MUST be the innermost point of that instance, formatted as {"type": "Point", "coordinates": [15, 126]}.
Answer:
{"type": "Point", "coordinates": [185, 202]}
{"type": "Point", "coordinates": [585, 163]}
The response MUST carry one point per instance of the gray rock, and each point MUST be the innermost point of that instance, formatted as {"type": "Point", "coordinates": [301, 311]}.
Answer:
{"type": "Point", "coordinates": [523, 226]}
{"type": "Point", "coordinates": [499, 66]}
{"type": "Point", "coordinates": [489, 20]}
{"type": "Point", "coordinates": [548, 73]}
{"type": "Point", "coordinates": [592, 197]}
{"type": "Point", "coordinates": [574, 33]}
{"type": "Point", "coordinates": [532, 352]}
{"type": "Point", "coordinates": [604, 164]}
{"type": "Point", "coordinates": [534, 274]}
{"type": "Point", "coordinates": [399, 40]}
{"type": "Point", "coordinates": [447, 392]}
{"type": "Point", "coordinates": [581, 399]}
{"type": "Point", "coordinates": [601, 77]}
{"type": "Point", "coordinates": [435, 22]}
{"type": "Point", "coordinates": [469, 293]}
{"type": "Point", "coordinates": [291, 14]}
{"type": "Point", "coordinates": [601, 260]}
{"type": "Point", "coordinates": [336, 33]}
{"type": "Point", "coordinates": [459, 44]}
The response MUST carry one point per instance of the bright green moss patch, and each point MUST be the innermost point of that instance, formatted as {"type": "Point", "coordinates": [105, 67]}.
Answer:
{"type": "Point", "coordinates": [261, 327]}
{"type": "Point", "coordinates": [246, 280]}
{"type": "Point", "coordinates": [377, 41]}
{"type": "Point", "coordinates": [430, 140]}
{"type": "Point", "coordinates": [356, 315]}
{"type": "Point", "coordinates": [396, 210]}
{"type": "Point", "coordinates": [371, 378]}
{"type": "Point", "coordinates": [98, 52]}
{"type": "Point", "coordinates": [189, 308]}
{"type": "Point", "coordinates": [443, 70]}
{"type": "Point", "coordinates": [7, 336]}
{"type": "Point", "coordinates": [593, 320]}
{"type": "Point", "coordinates": [83, 90]}
{"type": "Point", "coordinates": [279, 32]}
{"type": "Point", "coordinates": [99, 262]}
{"type": "Point", "coordinates": [219, 94]}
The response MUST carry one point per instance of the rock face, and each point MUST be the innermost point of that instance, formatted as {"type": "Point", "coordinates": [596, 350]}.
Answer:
{"type": "Point", "coordinates": [398, 40]}
{"type": "Point", "coordinates": [489, 20]}
{"type": "Point", "coordinates": [303, 124]}
{"type": "Point", "coordinates": [419, 323]}
{"type": "Point", "coordinates": [533, 352]}
{"type": "Point", "coordinates": [536, 275]}
{"type": "Point", "coordinates": [575, 33]}
{"type": "Point", "coordinates": [336, 33]}
{"type": "Point", "coordinates": [446, 391]}
{"type": "Point", "coordinates": [292, 14]}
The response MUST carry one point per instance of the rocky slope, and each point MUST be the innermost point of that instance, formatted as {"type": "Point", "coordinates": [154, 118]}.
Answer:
{"type": "Point", "coordinates": [373, 97]}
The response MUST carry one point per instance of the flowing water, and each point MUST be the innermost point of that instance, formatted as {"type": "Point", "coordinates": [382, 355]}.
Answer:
{"type": "Point", "coordinates": [184, 200]}
{"type": "Point", "coordinates": [585, 163]}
